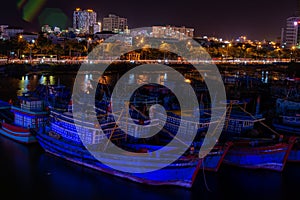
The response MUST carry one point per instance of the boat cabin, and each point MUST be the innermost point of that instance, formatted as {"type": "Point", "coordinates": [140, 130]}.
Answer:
{"type": "Point", "coordinates": [31, 113]}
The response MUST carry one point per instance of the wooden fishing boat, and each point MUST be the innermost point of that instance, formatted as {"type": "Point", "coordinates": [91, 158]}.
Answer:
{"type": "Point", "coordinates": [259, 153]}
{"type": "Point", "coordinates": [31, 113]}
{"type": "Point", "coordinates": [287, 119]}
{"type": "Point", "coordinates": [60, 138]}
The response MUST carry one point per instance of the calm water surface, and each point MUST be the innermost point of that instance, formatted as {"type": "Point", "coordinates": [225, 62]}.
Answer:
{"type": "Point", "coordinates": [28, 172]}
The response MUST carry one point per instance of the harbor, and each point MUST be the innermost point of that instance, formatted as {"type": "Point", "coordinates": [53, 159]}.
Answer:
{"type": "Point", "coordinates": [251, 93]}
{"type": "Point", "coordinates": [153, 100]}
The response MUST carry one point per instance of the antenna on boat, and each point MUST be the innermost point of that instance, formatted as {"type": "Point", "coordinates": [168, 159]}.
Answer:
{"type": "Point", "coordinates": [47, 90]}
{"type": "Point", "coordinates": [127, 112]}
{"type": "Point", "coordinates": [229, 109]}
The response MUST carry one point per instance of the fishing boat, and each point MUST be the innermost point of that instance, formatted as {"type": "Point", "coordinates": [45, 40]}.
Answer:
{"type": "Point", "coordinates": [255, 145]}
{"type": "Point", "coordinates": [259, 153]}
{"type": "Point", "coordinates": [30, 113]}
{"type": "Point", "coordinates": [213, 160]}
{"type": "Point", "coordinates": [239, 121]}
{"type": "Point", "coordinates": [170, 126]}
{"type": "Point", "coordinates": [287, 120]}
{"type": "Point", "coordinates": [59, 137]}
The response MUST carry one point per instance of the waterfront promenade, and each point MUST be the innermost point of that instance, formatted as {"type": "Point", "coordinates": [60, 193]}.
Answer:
{"type": "Point", "coordinates": [237, 61]}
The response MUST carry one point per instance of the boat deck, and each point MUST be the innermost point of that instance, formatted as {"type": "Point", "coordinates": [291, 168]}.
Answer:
{"type": "Point", "coordinates": [4, 105]}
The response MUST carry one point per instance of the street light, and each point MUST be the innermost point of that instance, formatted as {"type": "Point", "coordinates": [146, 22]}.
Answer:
{"type": "Point", "coordinates": [30, 50]}
{"type": "Point", "coordinates": [293, 50]}
{"type": "Point", "coordinates": [88, 43]}
{"type": "Point", "coordinates": [19, 40]}
{"type": "Point", "coordinates": [228, 46]}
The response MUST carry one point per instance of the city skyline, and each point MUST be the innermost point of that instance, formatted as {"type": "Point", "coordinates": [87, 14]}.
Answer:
{"type": "Point", "coordinates": [230, 19]}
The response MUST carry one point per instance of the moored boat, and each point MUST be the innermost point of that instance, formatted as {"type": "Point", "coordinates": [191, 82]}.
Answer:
{"type": "Point", "coordinates": [60, 138]}
{"type": "Point", "coordinates": [29, 114]}
{"type": "Point", "coordinates": [259, 153]}
{"type": "Point", "coordinates": [286, 118]}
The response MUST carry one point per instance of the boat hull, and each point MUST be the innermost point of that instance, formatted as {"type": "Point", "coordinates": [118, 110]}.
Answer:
{"type": "Point", "coordinates": [272, 157]}
{"type": "Point", "coordinates": [18, 134]}
{"type": "Point", "coordinates": [183, 176]}
{"type": "Point", "coordinates": [213, 161]}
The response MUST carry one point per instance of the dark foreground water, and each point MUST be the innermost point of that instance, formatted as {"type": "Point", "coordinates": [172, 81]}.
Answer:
{"type": "Point", "coordinates": [28, 172]}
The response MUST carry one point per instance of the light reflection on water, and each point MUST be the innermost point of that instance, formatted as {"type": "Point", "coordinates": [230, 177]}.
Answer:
{"type": "Point", "coordinates": [31, 170]}
{"type": "Point", "coordinates": [11, 87]}
{"type": "Point", "coordinates": [29, 82]}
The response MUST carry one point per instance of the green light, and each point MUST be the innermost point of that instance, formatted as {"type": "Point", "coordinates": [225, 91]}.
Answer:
{"type": "Point", "coordinates": [31, 8]}
{"type": "Point", "coordinates": [20, 3]}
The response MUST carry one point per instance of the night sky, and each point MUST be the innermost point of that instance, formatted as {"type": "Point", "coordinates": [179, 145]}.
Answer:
{"type": "Point", "coordinates": [257, 19]}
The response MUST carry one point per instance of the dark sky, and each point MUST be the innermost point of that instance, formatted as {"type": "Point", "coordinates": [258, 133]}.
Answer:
{"type": "Point", "coordinates": [257, 19]}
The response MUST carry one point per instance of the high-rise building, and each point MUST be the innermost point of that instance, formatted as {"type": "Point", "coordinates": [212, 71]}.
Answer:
{"type": "Point", "coordinates": [115, 24]}
{"type": "Point", "coordinates": [84, 20]}
{"type": "Point", "coordinates": [291, 34]}
{"type": "Point", "coordinates": [172, 32]}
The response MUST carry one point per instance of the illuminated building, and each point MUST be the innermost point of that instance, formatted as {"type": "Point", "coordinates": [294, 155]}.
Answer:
{"type": "Point", "coordinates": [46, 28]}
{"type": "Point", "coordinates": [292, 34]}
{"type": "Point", "coordinates": [84, 20]}
{"type": "Point", "coordinates": [115, 24]}
{"type": "Point", "coordinates": [11, 31]}
{"type": "Point", "coordinates": [172, 32]}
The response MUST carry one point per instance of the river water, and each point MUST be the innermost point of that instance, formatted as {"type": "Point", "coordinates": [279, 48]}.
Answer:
{"type": "Point", "coordinates": [28, 172]}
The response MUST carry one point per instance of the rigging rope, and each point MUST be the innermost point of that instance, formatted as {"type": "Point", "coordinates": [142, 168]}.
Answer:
{"type": "Point", "coordinates": [253, 117]}
{"type": "Point", "coordinates": [204, 177]}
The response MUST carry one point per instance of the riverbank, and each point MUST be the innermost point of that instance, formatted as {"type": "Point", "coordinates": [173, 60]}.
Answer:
{"type": "Point", "coordinates": [15, 68]}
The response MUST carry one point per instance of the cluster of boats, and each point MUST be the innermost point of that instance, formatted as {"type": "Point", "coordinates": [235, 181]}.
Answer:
{"type": "Point", "coordinates": [46, 117]}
